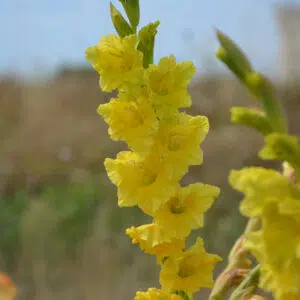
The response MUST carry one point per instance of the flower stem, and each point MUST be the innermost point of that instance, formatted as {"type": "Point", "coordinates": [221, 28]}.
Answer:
{"type": "Point", "coordinates": [248, 285]}
{"type": "Point", "coordinates": [237, 268]}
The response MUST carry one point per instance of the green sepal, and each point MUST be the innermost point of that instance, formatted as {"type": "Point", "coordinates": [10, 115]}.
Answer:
{"type": "Point", "coordinates": [282, 147]}
{"type": "Point", "coordinates": [132, 9]}
{"type": "Point", "coordinates": [250, 117]}
{"type": "Point", "coordinates": [121, 25]}
{"type": "Point", "coordinates": [233, 56]}
{"type": "Point", "coordinates": [146, 42]}
{"type": "Point", "coordinates": [183, 294]}
{"type": "Point", "coordinates": [243, 293]}
{"type": "Point", "coordinates": [248, 286]}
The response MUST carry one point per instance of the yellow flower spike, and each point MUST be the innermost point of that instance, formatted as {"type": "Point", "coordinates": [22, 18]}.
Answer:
{"type": "Point", "coordinates": [189, 271]}
{"type": "Point", "coordinates": [262, 187]}
{"type": "Point", "coordinates": [185, 208]}
{"type": "Point", "coordinates": [140, 181]}
{"type": "Point", "coordinates": [180, 142]}
{"type": "Point", "coordinates": [276, 246]}
{"type": "Point", "coordinates": [118, 62]}
{"type": "Point", "coordinates": [155, 294]}
{"type": "Point", "coordinates": [130, 121]}
{"type": "Point", "coordinates": [168, 83]}
{"type": "Point", "coordinates": [152, 240]}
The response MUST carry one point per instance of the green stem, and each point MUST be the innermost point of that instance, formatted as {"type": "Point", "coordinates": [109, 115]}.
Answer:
{"type": "Point", "coordinates": [235, 269]}
{"type": "Point", "coordinates": [248, 285]}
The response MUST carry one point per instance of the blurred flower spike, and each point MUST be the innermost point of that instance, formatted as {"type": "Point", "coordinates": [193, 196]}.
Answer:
{"type": "Point", "coordinates": [271, 199]}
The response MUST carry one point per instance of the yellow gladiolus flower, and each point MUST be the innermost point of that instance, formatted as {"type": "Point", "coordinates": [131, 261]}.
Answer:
{"type": "Point", "coordinates": [185, 209]}
{"type": "Point", "coordinates": [168, 82]}
{"type": "Point", "coordinates": [152, 240]}
{"type": "Point", "coordinates": [189, 271]}
{"type": "Point", "coordinates": [277, 248]}
{"type": "Point", "coordinates": [179, 141]}
{"type": "Point", "coordinates": [140, 181]}
{"type": "Point", "coordinates": [155, 294]}
{"type": "Point", "coordinates": [263, 187]}
{"type": "Point", "coordinates": [118, 62]}
{"type": "Point", "coordinates": [130, 121]}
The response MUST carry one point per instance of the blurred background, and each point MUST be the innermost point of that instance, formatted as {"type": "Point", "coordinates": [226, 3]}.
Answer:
{"type": "Point", "coordinates": [61, 232]}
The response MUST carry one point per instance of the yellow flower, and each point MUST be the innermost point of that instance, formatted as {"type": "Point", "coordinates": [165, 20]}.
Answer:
{"type": "Point", "coordinates": [185, 208]}
{"type": "Point", "coordinates": [118, 62]}
{"type": "Point", "coordinates": [189, 271]}
{"type": "Point", "coordinates": [168, 82]}
{"type": "Point", "coordinates": [140, 181]}
{"type": "Point", "coordinates": [155, 294]}
{"type": "Point", "coordinates": [262, 187]}
{"type": "Point", "coordinates": [179, 141]}
{"type": "Point", "coordinates": [277, 248]}
{"type": "Point", "coordinates": [152, 240]}
{"type": "Point", "coordinates": [131, 121]}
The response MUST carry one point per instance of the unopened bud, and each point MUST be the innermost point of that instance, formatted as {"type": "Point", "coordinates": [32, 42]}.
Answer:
{"type": "Point", "coordinates": [236, 60]}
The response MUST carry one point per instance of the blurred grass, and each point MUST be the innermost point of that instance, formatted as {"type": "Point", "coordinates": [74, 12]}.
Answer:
{"type": "Point", "coordinates": [62, 234]}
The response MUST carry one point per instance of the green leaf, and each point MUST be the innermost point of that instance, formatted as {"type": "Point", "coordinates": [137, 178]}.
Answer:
{"type": "Point", "coordinates": [121, 25]}
{"type": "Point", "coordinates": [132, 9]}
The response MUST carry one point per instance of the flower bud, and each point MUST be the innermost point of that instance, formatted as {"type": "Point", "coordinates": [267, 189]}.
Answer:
{"type": "Point", "coordinates": [236, 60]}
{"type": "Point", "coordinates": [146, 42]}
{"type": "Point", "coordinates": [253, 118]}
{"type": "Point", "coordinates": [282, 147]}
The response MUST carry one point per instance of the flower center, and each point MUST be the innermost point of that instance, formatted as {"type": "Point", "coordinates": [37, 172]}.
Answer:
{"type": "Point", "coordinates": [174, 143]}
{"type": "Point", "coordinates": [176, 205]}
{"type": "Point", "coordinates": [187, 268]}
{"type": "Point", "coordinates": [133, 115]}
{"type": "Point", "coordinates": [160, 83]}
{"type": "Point", "coordinates": [148, 177]}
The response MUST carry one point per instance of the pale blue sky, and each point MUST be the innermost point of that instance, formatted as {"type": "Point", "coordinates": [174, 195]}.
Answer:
{"type": "Point", "coordinates": [40, 35]}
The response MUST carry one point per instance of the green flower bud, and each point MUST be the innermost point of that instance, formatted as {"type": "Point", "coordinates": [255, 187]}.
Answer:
{"type": "Point", "coordinates": [146, 42]}
{"type": "Point", "coordinates": [282, 147]}
{"type": "Point", "coordinates": [253, 118]}
{"type": "Point", "coordinates": [236, 60]}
